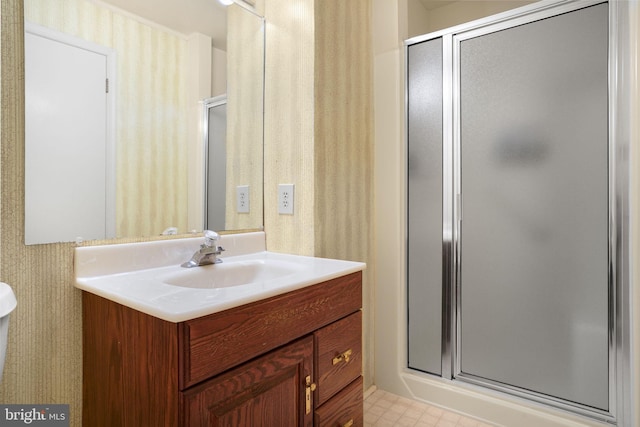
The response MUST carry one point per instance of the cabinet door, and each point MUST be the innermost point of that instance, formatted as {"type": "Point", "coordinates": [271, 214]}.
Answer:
{"type": "Point", "coordinates": [269, 391]}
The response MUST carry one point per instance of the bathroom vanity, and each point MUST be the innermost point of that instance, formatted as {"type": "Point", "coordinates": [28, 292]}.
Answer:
{"type": "Point", "coordinates": [290, 359]}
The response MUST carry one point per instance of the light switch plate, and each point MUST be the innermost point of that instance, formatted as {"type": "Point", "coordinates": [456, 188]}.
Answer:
{"type": "Point", "coordinates": [285, 199]}
{"type": "Point", "coordinates": [242, 199]}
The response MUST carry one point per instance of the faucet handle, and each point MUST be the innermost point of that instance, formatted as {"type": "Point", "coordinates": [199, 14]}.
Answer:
{"type": "Point", "coordinates": [210, 238]}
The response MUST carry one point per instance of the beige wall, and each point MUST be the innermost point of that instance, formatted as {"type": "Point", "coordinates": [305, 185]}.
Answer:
{"type": "Point", "coordinates": [465, 11]}
{"type": "Point", "coordinates": [334, 214]}
{"type": "Point", "coordinates": [151, 117]}
{"type": "Point", "coordinates": [389, 181]}
{"type": "Point", "coordinates": [198, 87]}
{"type": "Point", "coordinates": [289, 123]}
{"type": "Point", "coordinates": [343, 146]}
{"type": "Point", "coordinates": [245, 61]}
{"type": "Point", "coordinates": [417, 20]}
{"type": "Point", "coordinates": [219, 72]}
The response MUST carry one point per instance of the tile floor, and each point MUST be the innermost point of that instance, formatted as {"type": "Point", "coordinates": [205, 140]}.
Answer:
{"type": "Point", "coordinates": [383, 409]}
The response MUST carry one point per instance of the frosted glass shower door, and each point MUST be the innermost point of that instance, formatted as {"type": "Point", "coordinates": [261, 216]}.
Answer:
{"type": "Point", "coordinates": [533, 150]}
{"type": "Point", "coordinates": [216, 164]}
{"type": "Point", "coordinates": [424, 242]}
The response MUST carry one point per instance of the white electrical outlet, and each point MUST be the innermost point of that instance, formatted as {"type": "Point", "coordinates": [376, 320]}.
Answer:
{"type": "Point", "coordinates": [285, 199]}
{"type": "Point", "coordinates": [242, 199]}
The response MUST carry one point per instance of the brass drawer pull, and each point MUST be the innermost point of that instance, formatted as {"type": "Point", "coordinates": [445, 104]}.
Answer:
{"type": "Point", "coordinates": [309, 387]}
{"type": "Point", "coordinates": [342, 357]}
{"type": "Point", "coordinates": [348, 423]}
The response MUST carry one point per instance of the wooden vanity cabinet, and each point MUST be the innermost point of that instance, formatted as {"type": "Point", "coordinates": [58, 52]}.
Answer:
{"type": "Point", "coordinates": [293, 359]}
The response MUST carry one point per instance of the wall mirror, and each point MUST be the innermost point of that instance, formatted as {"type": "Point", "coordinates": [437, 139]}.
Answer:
{"type": "Point", "coordinates": [129, 81]}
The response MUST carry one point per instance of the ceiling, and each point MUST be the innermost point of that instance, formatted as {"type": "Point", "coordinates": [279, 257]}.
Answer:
{"type": "Point", "coordinates": [203, 16]}
{"type": "Point", "coordinates": [208, 17]}
{"type": "Point", "coordinates": [434, 4]}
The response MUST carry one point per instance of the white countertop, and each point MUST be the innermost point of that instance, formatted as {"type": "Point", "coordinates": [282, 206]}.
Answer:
{"type": "Point", "coordinates": [135, 275]}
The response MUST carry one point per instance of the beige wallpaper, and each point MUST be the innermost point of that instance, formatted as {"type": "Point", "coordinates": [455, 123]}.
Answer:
{"type": "Point", "coordinates": [343, 144]}
{"type": "Point", "coordinates": [151, 110]}
{"type": "Point", "coordinates": [245, 65]}
{"type": "Point", "coordinates": [44, 363]}
{"type": "Point", "coordinates": [289, 123]}
{"type": "Point", "coordinates": [319, 136]}
{"type": "Point", "coordinates": [332, 173]}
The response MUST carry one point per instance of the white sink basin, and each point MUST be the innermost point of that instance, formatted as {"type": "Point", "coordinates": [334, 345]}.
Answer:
{"type": "Point", "coordinates": [227, 274]}
{"type": "Point", "coordinates": [148, 277]}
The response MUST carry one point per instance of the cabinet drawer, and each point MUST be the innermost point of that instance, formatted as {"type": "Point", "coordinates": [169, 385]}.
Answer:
{"type": "Point", "coordinates": [345, 409]}
{"type": "Point", "coordinates": [215, 343]}
{"type": "Point", "coordinates": [338, 355]}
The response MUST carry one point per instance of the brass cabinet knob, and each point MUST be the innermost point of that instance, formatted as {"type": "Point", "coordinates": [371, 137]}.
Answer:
{"type": "Point", "coordinates": [342, 357]}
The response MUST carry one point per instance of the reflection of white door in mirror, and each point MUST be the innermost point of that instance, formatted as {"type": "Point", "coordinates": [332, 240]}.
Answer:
{"type": "Point", "coordinates": [68, 117]}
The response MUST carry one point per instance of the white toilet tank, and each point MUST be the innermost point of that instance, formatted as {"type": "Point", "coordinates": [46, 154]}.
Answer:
{"type": "Point", "coordinates": [7, 304]}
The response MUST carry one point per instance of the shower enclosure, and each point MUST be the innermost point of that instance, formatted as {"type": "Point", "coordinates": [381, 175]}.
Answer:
{"type": "Point", "coordinates": [215, 165]}
{"type": "Point", "coordinates": [516, 249]}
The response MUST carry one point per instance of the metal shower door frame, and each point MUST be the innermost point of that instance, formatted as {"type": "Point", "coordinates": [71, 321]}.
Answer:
{"type": "Point", "coordinates": [619, 328]}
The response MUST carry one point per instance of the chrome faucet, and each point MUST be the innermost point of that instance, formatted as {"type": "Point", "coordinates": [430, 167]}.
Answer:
{"type": "Point", "coordinates": [208, 252]}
